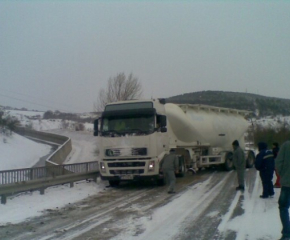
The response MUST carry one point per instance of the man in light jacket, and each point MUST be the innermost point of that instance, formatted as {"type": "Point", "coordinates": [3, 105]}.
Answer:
{"type": "Point", "coordinates": [169, 167]}
{"type": "Point", "coordinates": [282, 166]}
{"type": "Point", "coordinates": [239, 162]}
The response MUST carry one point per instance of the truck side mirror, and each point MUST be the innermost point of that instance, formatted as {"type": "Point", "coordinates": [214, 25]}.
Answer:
{"type": "Point", "coordinates": [163, 129]}
{"type": "Point", "coordinates": [163, 121]}
{"type": "Point", "coordinates": [96, 127]}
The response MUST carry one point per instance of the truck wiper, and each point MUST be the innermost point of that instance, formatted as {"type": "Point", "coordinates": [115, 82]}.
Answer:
{"type": "Point", "coordinates": [135, 130]}
{"type": "Point", "coordinates": [110, 132]}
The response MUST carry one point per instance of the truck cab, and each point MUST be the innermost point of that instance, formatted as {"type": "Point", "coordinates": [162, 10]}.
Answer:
{"type": "Point", "coordinates": [132, 139]}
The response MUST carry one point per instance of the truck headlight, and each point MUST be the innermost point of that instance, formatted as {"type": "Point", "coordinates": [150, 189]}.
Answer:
{"type": "Point", "coordinates": [102, 167]}
{"type": "Point", "coordinates": [151, 166]}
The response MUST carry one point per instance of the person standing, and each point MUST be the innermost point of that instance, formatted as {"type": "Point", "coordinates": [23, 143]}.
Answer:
{"type": "Point", "coordinates": [275, 150]}
{"type": "Point", "coordinates": [282, 166]}
{"type": "Point", "coordinates": [265, 164]}
{"type": "Point", "coordinates": [239, 162]}
{"type": "Point", "coordinates": [169, 166]}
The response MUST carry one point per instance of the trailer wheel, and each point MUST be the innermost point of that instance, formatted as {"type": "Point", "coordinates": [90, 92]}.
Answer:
{"type": "Point", "coordinates": [114, 183]}
{"type": "Point", "coordinates": [181, 167]}
{"type": "Point", "coordinates": [229, 165]}
{"type": "Point", "coordinates": [250, 160]}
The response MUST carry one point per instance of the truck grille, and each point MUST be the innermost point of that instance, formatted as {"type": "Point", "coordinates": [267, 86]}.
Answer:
{"type": "Point", "coordinates": [126, 164]}
{"type": "Point", "coordinates": [121, 172]}
{"type": "Point", "coordinates": [113, 152]}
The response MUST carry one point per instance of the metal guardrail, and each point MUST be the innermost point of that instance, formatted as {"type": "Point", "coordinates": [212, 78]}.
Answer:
{"type": "Point", "coordinates": [65, 145]}
{"type": "Point", "coordinates": [42, 184]}
{"type": "Point", "coordinates": [28, 174]}
{"type": "Point", "coordinates": [29, 179]}
{"type": "Point", "coordinates": [39, 178]}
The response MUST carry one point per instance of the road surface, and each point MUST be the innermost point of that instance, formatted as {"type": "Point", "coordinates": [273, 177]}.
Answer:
{"type": "Point", "coordinates": [103, 216]}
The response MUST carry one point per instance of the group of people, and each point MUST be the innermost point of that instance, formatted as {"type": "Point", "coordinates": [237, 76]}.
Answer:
{"type": "Point", "coordinates": [266, 162]}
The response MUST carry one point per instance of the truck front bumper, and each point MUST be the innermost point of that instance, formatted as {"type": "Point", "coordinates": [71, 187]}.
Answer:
{"type": "Point", "coordinates": [132, 178]}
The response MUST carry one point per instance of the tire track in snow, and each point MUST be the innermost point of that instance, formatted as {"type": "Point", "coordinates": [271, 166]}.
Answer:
{"type": "Point", "coordinates": [184, 209]}
{"type": "Point", "coordinates": [223, 227]}
{"type": "Point", "coordinates": [245, 226]}
{"type": "Point", "coordinates": [75, 229]}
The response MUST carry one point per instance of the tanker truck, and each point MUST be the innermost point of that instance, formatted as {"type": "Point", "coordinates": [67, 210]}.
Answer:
{"type": "Point", "coordinates": [134, 136]}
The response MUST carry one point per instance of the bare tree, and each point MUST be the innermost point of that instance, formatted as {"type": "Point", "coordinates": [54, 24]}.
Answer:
{"type": "Point", "coordinates": [119, 88]}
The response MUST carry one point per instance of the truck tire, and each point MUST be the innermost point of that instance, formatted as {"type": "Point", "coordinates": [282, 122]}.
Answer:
{"type": "Point", "coordinates": [229, 165]}
{"type": "Point", "coordinates": [114, 183]}
{"type": "Point", "coordinates": [250, 160]}
{"type": "Point", "coordinates": [181, 172]}
{"type": "Point", "coordinates": [160, 182]}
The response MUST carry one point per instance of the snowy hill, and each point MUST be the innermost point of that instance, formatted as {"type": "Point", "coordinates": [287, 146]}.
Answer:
{"type": "Point", "coordinates": [273, 123]}
{"type": "Point", "coordinates": [262, 105]}
{"type": "Point", "coordinates": [35, 121]}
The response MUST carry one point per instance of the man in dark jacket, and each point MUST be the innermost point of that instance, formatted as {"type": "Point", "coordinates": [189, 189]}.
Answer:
{"type": "Point", "coordinates": [169, 166]}
{"type": "Point", "coordinates": [282, 165]}
{"type": "Point", "coordinates": [265, 164]}
{"type": "Point", "coordinates": [239, 162]}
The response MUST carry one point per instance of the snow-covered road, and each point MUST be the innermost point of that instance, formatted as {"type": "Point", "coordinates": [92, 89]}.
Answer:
{"type": "Point", "coordinates": [206, 206]}
{"type": "Point", "coordinates": [83, 145]}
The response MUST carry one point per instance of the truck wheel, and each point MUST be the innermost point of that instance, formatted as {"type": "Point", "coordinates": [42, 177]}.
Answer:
{"type": "Point", "coordinates": [114, 183]}
{"type": "Point", "coordinates": [229, 165]}
{"type": "Point", "coordinates": [250, 160]}
{"type": "Point", "coordinates": [160, 182]}
{"type": "Point", "coordinates": [181, 167]}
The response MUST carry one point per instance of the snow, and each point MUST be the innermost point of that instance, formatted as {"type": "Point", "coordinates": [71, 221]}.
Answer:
{"type": "Point", "coordinates": [20, 152]}
{"type": "Point", "coordinates": [35, 121]}
{"type": "Point", "coordinates": [31, 204]}
{"type": "Point", "coordinates": [273, 123]}
{"type": "Point", "coordinates": [259, 221]}
{"type": "Point", "coordinates": [261, 218]}
{"type": "Point", "coordinates": [27, 154]}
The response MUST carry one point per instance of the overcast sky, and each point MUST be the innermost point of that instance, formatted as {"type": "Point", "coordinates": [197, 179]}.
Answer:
{"type": "Point", "coordinates": [57, 54]}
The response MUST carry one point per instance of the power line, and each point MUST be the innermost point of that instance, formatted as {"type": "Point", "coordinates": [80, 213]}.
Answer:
{"type": "Point", "coordinates": [26, 95]}
{"type": "Point", "coordinates": [22, 100]}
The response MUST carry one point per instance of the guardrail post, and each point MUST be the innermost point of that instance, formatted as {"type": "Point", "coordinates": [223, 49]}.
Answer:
{"type": "Point", "coordinates": [42, 191]}
{"type": "Point", "coordinates": [3, 199]}
{"type": "Point", "coordinates": [71, 184]}
{"type": "Point", "coordinates": [31, 173]}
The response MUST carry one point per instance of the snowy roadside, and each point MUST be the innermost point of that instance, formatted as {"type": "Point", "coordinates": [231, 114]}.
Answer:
{"type": "Point", "coordinates": [20, 152]}
{"type": "Point", "coordinates": [26, 205]}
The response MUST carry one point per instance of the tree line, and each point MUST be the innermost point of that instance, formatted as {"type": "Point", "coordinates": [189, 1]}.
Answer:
{"type": "Point", "coordinates": [261, 106]}
{"type": "Point", "coordinates": [271, 135]}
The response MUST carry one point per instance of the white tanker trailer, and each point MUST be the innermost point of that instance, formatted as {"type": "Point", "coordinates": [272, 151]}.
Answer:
{"type": "Point", "coordinates": [134, 136]}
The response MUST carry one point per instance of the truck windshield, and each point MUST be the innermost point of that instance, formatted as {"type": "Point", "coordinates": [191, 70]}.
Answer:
{"type": "Point", "coordinates": [132, 125]}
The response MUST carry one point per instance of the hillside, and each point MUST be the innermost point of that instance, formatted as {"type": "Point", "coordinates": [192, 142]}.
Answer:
{"type": "Point", "coordinates": [260, 105]}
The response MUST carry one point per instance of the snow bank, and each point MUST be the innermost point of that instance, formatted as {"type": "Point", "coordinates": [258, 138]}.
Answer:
{"type": "Point", "coordinates": [19, 152]}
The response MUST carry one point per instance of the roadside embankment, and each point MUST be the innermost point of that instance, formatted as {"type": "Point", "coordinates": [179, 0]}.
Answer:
{"type": "Point", "coordinates": [63, 150]}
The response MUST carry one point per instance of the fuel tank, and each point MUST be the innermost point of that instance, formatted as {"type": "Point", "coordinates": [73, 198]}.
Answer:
{"type": "Point", "coordinates": [194, 124]}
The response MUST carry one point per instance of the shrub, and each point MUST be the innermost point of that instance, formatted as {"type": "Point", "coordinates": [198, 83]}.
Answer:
{"type": "Point", "coordinates": [270, 135]}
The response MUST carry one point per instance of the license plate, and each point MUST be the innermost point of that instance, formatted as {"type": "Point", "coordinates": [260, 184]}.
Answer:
{"type": "Point", "coordinates": [126, 177]}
